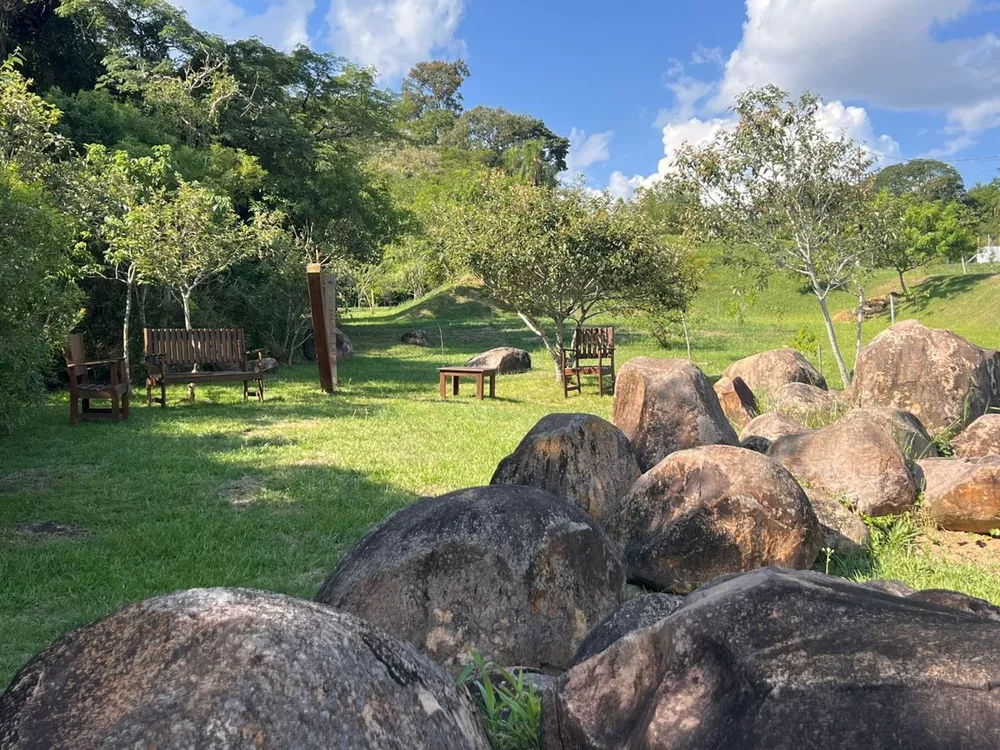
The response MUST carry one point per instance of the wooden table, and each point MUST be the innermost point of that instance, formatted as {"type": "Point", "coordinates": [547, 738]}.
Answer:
{"type": "Point", "coordinates": [479, 373]}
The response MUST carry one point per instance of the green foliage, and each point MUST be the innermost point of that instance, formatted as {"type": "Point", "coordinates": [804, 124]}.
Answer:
{"type": "Point", "coordinates": [494, 131]}
{"type": "Point", "coordinates": [779, 186]}
{"type": "Point", "coordinates": [984, 202]}
{"type": "Point", "coordinates": [563, 254]}
{"type": "Point", "coordinates": [924, 180]}
{"type": "Point", "coordinates": [27, 126]}
{"type": "Point", "coordinates": [510, 706]}
{"type": "Point", "coordinates": [433, 86]}
{"type": "Point", "coordinates": [805, 342]}
{"type": "Point", "coordinates": [39, 299]}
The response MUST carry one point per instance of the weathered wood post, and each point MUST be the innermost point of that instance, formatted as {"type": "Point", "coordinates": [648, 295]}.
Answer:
{"type": "Point", "coordinates": [323, 306]}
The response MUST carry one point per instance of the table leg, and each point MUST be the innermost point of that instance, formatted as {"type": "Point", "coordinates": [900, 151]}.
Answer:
{"type": "Point", "coordinates": [493, 386]}
{"type": "Point", "coordinates": [454, 385]}
{"type": "Point", "coordinates": [441, 385]}
{"type": "Point", "coordinates": [479, 386]}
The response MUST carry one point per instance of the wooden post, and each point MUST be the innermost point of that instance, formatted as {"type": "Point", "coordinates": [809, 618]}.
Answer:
{"type": "Point", "coordinates": [323, 306]}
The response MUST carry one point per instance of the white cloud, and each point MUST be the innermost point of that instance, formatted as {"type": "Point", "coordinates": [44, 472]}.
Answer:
{"type": "Point", "coordinates": [707, 56]}
{"type": "Point", "coordinates": [393, 35]}
{"type": "Point", "coordinates": [883, 53]}
{"type": "Point", "coordinates": [586, 150]}
{"type": "Point", "coordinates": [854, 122]}
{"type": "Point", "coordinates": [282, 24]}
{"type": "Point", "coordinates": [624, 187]}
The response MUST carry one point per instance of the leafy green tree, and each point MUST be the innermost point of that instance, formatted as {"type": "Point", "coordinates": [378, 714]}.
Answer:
{"type": "Point", "coordinates": [28, 135]}
{"type": "Point", "coordinates": [564, 255]}
{"type": "Point", "coordinates": [779, 186]}
{"type": "Point", "coordinates": [494, 131]}
{"type": "Point", "coordinates": [434, 85]}
{"type": "Point", "coordinates": [667, 203]}
{"type": "Point", "coordinates": [923, 179]}
{"type": "Point", "coordinates": [915, 233]}
{"type": "Point", "coordinates": [984, 202]}
{"type": "Point", "coordinates": [39, 298]}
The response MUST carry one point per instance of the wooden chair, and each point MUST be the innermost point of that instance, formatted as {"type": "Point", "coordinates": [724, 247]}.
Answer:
{"type": "Point", "coordinates": [84, 385]}
{"type": "Point", "coordinates": [592, 352]}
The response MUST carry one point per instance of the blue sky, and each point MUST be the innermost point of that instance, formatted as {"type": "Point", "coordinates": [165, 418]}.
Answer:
{"type": "Point", "coordinates": [632, 81]}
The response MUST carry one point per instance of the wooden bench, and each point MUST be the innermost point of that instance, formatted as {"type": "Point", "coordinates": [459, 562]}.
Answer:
{"type": "Point", "coordinates": [84, 384]}
{"type": "Point", "coordinates": [479, 373]}
{"type": "Point", "coordinates": [219, 347]}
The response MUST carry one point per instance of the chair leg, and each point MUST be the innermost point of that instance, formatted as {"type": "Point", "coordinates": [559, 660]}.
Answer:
{"type": "Point", "coordinates": [163, 395]}
{"type": "Point", "coordinates": [116, 414]}
{"type": "Point", "coordinates": [149, 393]}
{"type": "Point", "coordinates": [126, 399]}
{"type": "Point", "coordinates": [74, 411]}
{"type": "Point", "coordinates": [246, 390]}
{"type": "Point", "coordinates": [260, 391]}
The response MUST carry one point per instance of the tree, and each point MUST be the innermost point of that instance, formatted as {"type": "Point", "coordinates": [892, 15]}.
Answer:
{"type": "Point", "coordinates": [434, 85]}
{"type": "Point", "coordinates": [667, 203]}
{"type": "Point", "coordinates": [914, 233]}
{"type": "Point", "coordinates": [984, 202]}
{"type": "Point", "coordinates": [783, 188]}
{"type": "Point", "coordinates": [922, 179]}
{"type": "Point", "coordinates": [495, 130]}
{"type": "Point", "coordinates": [565, 255]}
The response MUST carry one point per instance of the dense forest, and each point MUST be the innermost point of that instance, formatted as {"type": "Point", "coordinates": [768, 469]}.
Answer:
{"type": "Point", "coordinates": [152, 174]}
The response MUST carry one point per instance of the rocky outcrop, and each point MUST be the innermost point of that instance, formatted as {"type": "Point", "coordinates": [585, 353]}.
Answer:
{"type": "Point", "coordinates": [768, 371]}
{"type": "Point", "coordinates": [761, 431]}
{"type": "Point", "coordinates": [505, 360]}
{"type": "Point", "coordinates": [737, 400]}
{"type": "Point", "coordinates": [981, 438]}
{"type": "Point", "coordinates": [416, 338]}
{"type": "Point", "coordinates": [345, 349]}
{"type": "Point", "coordinates": [806, 403]}
{"type": "Point", "coordinates": [712, 510]}
{"type": "Point", "coordinates": [851, 462]}
{"type": "Point", "coordinates": [668, 405]}
{"type": "Point", "coordinates": [579, 457]}
{"type": "Point", "coordinates": [635, 614]}
{"type": "Point", "coordinates": [904, 428]}
{"type": "Point", "coordinates": [935, 374]}
{"type": "Point", "coordinates": [234, 668]}
{"type": "Point", "coordinates": [266, 365]}
{"type": "Point", "coordinates": [843, 529]}
{"type": "Point", "coordinates": [787, 660]}
{"type": "Point", "coordinates": [513, 572]}
{"type": "Point", "coordinates": [962, 494]}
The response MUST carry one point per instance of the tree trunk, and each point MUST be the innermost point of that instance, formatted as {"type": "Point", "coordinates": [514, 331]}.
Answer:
{"type": "Point", "coordinates": [125, 327]}
{"type": "Point", "coordinates": [537, 330]}
{"type": "Point", "coordinates": [560, 343]}
{"type": "Point", "coordinates": [844, 375]}
{"type": "Point", "coordinates": [186, 301]}
{"type": "Point", "coordinates": [902, 283]}
{"type": "Point", "coordinates": [861, 320]}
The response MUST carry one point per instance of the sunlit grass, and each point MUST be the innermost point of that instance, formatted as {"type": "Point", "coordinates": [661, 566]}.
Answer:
{"type": "Point", "coordinates": [222, 493]}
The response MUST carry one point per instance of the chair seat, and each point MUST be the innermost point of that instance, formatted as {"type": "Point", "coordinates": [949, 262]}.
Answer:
{"type": "Point", "coordinates": [101, 390]}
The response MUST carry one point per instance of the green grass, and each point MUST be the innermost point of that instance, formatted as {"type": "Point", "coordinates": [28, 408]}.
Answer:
{"type": "Point", "coordinates": [222, 493]}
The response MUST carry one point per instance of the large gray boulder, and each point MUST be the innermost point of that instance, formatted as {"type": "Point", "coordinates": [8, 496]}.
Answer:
{"type": "Point", "coordinates": [707, 511]}
{"type": "Point", "coordinates": [737, 400]}
{"type": "Point", "coordinates": [505, 360]}
{"type": "Point", "coordinates": [904, 428]}
{"type": "Point", "coordinates": [853, 462]}
{"type": "Point", "coordinates": [579, 457]}
{"type": "Point", "coordinates": [787, 660]}
{"type": "Point", "coordinates": [513, 572]}
{"type": "Point", "coordinates": [962, 494]}
{"type": "Point", "coordinates": [635, 614]}
{"type": "Point", "coordinates": [981, 438]}
{"type": "Point", "coordinates": [942, 378]}
{"type": "Point", "coordinates": [416, 338]}
{"type": "Point", "coordinates": [668, 405]}
{"type": "Point", "coordinates": [234, 668]}
{"type": "Point", "coordinates": [768, 371]}
{"type": "Point", "coordinates": [806, 403]}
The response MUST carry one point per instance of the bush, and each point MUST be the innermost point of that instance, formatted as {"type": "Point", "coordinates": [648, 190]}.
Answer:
{"type": "Point", "coordinates": [510, 706]}
{"type": "Point", "coordinates": [39, 299]}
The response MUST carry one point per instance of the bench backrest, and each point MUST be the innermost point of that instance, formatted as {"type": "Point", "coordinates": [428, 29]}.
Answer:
{"type": "Point", "coordinates": [201, 346]}
{"type": "Point", "coordinates": [594, 343]}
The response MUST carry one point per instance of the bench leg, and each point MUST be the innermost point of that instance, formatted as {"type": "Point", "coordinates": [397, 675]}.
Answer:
{"type": "Point", "coordinates": [260, 390]}
{"type": "Point", "coordinates": [163, 395]}
{"type": "Point", "coordinates": [74, 411]}
{"type": "Point", "coordinates": [126, 399]}
{"type": "Point", "coordinates": [493, 386]}
{"type": "Point", "coordinates": [246, 390]}
{"type": "Point", "coordinates": [479, 386]}
{"type": "Point", "coordinates": [454, 385]}
{"type": "Point", "coordinates": [116, 414]}
{"type": "Point", "coordinates": [149, 393]}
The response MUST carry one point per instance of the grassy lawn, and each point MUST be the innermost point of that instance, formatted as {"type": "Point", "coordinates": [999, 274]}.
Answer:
{"type": "Point", "coordinates": [222, 493]}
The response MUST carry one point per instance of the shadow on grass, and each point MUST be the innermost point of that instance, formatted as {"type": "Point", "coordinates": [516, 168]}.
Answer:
{"type": "Point", "coordinates": [942, 287]}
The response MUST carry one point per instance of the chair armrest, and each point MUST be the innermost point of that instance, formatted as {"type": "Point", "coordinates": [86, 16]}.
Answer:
{"type": "Point", "coordinates": [256, 351]}
{"type": "Point", "coordinates": [96, 362]}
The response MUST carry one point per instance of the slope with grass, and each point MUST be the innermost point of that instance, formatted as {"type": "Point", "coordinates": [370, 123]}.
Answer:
{"type": "Point", "coordinates": [222, 493]}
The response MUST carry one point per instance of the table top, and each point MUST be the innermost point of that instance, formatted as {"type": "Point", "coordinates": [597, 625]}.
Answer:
{"type": "Point", "coordinates": [467, 370]}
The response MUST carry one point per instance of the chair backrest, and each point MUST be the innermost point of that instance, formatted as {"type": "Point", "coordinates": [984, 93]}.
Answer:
{"type": "Point", "coordinates": [594, 343]}
{"type": "Point", "coordinates": [201, 346]}
{"type": "Point", "coordinates": [75, 354]}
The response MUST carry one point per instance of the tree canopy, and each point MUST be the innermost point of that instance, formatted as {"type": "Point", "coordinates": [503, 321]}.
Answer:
{"type": "Point", "coordinates": [922, 179]}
